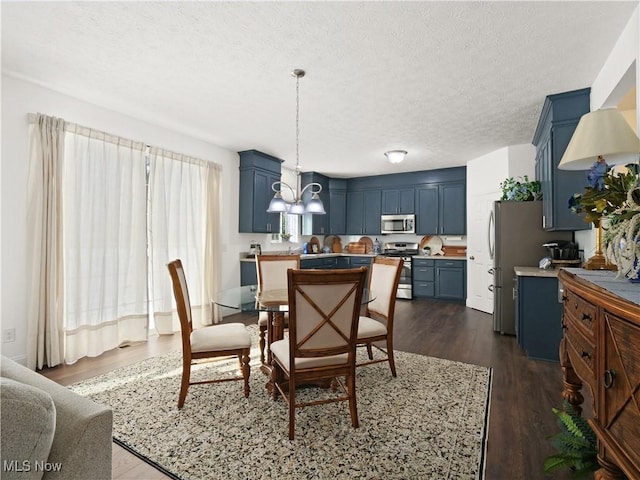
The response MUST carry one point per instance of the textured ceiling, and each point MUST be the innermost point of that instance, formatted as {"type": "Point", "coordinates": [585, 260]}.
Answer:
{"type": "Point", "coordinates": [446, 81]}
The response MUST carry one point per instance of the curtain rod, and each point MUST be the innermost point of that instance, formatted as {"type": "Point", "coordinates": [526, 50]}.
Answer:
{"type": "Point", "coordinates": [116, 140]}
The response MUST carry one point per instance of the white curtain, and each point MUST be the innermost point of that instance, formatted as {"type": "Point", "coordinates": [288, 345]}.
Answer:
{"type": "Point", "coordinates": [106, 215]}
{"type": "Point", "coordinates": [45, 340]}
{"type": "Point", "coordinates": [105, 264]}
{"type": "Point", "coordinates": [184, 223]}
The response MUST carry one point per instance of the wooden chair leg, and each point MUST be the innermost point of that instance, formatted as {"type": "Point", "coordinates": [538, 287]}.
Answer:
{"type": "Point", "coordinates": [186, 376]}
{"type": "Point", "coordinates": [292, 409]}
{"type": "Point", "coordinates": [246, 371]}
{"type": "Point", "coordinates": [392, 362]}
{"type": "Point", "coordinates": [262, 333]}
{"type": "Point", "coordinates": [369, 351]}
{"type": "Point", "coordinates": [353, 407]}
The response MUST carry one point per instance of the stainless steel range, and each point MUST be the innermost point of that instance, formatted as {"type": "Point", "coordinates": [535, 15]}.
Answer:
{"type": "Point", "coordinates": [405, 251]}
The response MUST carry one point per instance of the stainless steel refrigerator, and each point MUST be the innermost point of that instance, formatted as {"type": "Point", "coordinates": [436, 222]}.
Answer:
{"type": "Point", "coordinates": [516, 239]}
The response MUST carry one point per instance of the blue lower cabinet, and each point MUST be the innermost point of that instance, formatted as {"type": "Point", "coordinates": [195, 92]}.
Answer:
{"type": "Point", "coordinates": [311, 263]}
{"type": "Point", "coordinates": [441, 279]}
{"type": "Point", "coordinates": [360, 262]}
{"type": "Point", "coordinates": [322, 263]}
{"type": "Point", "coordinates": [423, 274]}
{"type": "Point", "coordinates": [343, 262]}
{"type": "Point", "coordinates": [538, 317]}
{"type": "Point", "coordinates": [248, 273]}
{"type": "Point", "coordinates": [451, 280]}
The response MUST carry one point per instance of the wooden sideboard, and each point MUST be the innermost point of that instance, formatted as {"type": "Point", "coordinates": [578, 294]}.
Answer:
{"type": "Point", "coordinates": [601, 349]}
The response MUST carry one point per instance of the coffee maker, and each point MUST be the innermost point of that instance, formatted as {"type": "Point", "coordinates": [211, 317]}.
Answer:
{"type": "Point", "coordinates": [254, 249]}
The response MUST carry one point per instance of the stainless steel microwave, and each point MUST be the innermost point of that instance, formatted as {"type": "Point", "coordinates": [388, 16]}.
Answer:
{"type": "Point", "coordinates": [398, 223]}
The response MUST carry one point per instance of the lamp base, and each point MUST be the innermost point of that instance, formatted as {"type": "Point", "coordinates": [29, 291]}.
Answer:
{"type": "Point", "coordinates": [598, 262]}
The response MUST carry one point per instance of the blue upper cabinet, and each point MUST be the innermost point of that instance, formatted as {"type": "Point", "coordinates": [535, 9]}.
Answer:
{"type": "Point", "coordinates": [363, 212]}
{"type": "Point", "coordinates": [316, 224]}
{"type": "Point", "coordinates": [558, 120]}
{"type": "Point", "coordinates": [258, 171]}
{"type": "Point", "coordinates": [442, 209]}
{"type": "Point", "coordinates": [338, 203]}
{"type": "Point", "coordinates": [398, 201]}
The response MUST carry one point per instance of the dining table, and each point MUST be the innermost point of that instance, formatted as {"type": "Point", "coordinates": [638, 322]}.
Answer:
{"type": "Point", "coordinates": [249, 298]}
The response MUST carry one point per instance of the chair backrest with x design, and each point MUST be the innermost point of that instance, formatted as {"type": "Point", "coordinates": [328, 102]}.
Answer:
{"type": "Point", "coordinates": [326, 306]}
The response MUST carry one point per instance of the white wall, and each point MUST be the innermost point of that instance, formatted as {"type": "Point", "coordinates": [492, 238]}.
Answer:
{"type": "Point", "coordinates": [619, 73]}
{"type": "Point", "coordinates": [20, 98]}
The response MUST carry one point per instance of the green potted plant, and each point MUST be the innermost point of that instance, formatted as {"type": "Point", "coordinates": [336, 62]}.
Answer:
{"type": "Point", "coordinates": [576, 444]}
{"type": "Point", "coordinates": [523, 190]}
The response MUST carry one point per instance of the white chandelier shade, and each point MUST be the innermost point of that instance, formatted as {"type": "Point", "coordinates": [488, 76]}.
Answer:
{"type": "Point", "coordinates": [297, 206]}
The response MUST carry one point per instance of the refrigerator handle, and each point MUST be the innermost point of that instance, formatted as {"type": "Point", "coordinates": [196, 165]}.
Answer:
{"type": "Point", "coordinates": [490, 230]}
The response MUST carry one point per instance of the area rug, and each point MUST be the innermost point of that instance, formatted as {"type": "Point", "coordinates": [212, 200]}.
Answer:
{"type": "Point", "coordinates": [428, 423]}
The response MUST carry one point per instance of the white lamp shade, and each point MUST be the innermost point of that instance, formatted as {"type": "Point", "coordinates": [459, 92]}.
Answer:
{"type": "Point", "coordinates": [277, 205]}
{"type": "Point", "coordinates": [395, 156]}
{"type": "Point", "coordinates": [297, 208]}
{"type": "Point", "coordinates": [315, 206]}
{"type": "Point", "coordinates": [601, 133]}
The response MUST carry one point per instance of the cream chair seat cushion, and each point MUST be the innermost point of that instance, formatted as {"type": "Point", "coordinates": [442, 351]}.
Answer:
{"type": "Point", "coordinates": [225, 336]}
{"type": "Point", "coordinates": [281, 350]}
{"type": "Point", "coordinates": [368, 327]}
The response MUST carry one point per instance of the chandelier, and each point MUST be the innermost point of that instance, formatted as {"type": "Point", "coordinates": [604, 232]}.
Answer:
{"type": "Point", "coordinates": [297, 207]}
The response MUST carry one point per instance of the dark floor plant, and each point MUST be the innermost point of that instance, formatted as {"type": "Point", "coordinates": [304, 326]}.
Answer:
{"type": "Point", "coordinates": [576, 444]}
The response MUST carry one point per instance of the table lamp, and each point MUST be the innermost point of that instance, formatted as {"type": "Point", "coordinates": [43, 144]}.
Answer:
{"type": "Point", "coordinates": [601, 135]}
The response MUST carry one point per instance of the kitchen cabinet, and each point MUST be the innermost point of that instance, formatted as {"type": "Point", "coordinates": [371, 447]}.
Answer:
{"type": "Point", "coordinates": [343, 262]}
{"type": "Point", "coordinates": [338, 206]}
{"type": "Point", "coordinates": [558, 120]}
{"type": "Point", "coordinates": [258, 171]}
{"type": "Point", "coordinates": [538, 317]}
{"type": "Point", "coordinates": [439, 278]}
{"type": "Point", "coordinates": [363, 212]}
{"type": "Point", "coordinates": [248, 273]}
{"type": "Point", "coordinates": [316, 224]}
{"type": "Point", "coordinates": [398, 201]}
{"type": "Point", "coordinates": [356, 262]}
{"type": "Point", "coordinates": [442, 209]}
{"type": "Point", "coordinates": [423, 273]}
{"type": "Point", "coordinates": [451, 279]}
{"type": "Point", "coordinates": [321, 262]}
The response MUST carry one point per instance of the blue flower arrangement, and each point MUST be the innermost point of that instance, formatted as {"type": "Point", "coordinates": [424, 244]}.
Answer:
{"type": "Point", "coordinates": [605, 192]}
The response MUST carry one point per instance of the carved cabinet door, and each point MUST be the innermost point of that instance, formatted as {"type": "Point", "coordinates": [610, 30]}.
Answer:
{"type": "Point", "coordinates": [620, 385]}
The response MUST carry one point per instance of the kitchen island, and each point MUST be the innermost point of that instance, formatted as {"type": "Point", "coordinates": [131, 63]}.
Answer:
{"type": "Point", "coordinates": [538, 312]}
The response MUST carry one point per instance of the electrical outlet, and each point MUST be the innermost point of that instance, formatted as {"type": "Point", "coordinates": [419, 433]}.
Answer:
{"type": "Point", "coordinates": [8, 335]}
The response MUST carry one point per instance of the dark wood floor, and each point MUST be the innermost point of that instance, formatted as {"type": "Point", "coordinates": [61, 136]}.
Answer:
{"type": "Point", "coordinates": [523, 392]}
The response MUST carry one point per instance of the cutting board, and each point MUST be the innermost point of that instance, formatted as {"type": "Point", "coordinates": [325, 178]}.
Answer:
{"type": "Point", "coordinates": [356, 247]}
{"type": "Point", "coordinates": [314, 245]}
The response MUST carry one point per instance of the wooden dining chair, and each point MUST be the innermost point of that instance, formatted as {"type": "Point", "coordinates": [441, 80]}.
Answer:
{"type": "Point", "coordinates": [377, 323]}
{"type": "Point", "coordinates": [323, 322]}
{"type": "Point", "coordinates": [272, 274]}
{"type": "Point", "coordinates": [221, 340]}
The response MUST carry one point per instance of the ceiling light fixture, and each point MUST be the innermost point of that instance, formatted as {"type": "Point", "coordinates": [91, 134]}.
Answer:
{"type": "Point", "coordinates": [278, 204]}
{"type": "Point", "coordinates": [395, 156]}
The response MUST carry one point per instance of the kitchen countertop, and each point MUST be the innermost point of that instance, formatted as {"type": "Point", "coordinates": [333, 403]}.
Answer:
{"type": "Point", "coordinates": [304, 256]}
{"type": "Point", "coordinates": [619, 285]}
{"type": "Point", "coordinates": [535, 272]}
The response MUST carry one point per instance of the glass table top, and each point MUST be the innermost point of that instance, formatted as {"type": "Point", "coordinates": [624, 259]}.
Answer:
{"type": "Point", "coordinates": [245, 299]}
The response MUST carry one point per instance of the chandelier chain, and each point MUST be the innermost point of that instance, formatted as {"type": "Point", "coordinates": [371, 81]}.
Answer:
{"type": "Point", "coordinates": [297, 124]}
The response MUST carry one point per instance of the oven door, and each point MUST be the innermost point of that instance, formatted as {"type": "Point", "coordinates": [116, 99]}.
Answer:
{"type": "Point", "coordinates": [405, 289]}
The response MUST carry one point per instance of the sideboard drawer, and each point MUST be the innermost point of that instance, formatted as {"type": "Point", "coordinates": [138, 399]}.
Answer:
{"type": "Point", "coordinates": [582, 353]}
{"type": "Point", "coordinates": [583, 312]}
